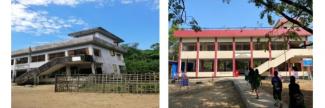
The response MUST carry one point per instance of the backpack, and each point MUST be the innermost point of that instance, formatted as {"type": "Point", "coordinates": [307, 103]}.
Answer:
{"type": "Point", "coordinates": [299, 99]}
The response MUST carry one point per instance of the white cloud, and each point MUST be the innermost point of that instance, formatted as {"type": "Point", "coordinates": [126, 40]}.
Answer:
{"type": "Point", "coordinates": [38, 22]}
{"type": "Point", "coordinates": [28, 20]}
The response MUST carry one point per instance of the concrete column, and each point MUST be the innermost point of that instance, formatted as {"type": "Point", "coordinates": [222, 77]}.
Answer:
{"type": "Point", "coordinates": [270, 58]}
{"type": "Point", "coordinates": [93, 68]}
{"type": "Point", "coordinates": [251, 47]}
{"type": "Point", "coordinates": [179, 61]}
{"type": "Point", "coordinates": [68, 70]}
{"type": "Point", "coordinates": [197, 57]}
{"type": "Point", "coordinates": [14, 72]}
{"type": "Point", "coordinates": [46, 57]}
{"type": "Point", "coordinates": [233, 56]}
{"type": "Point", "coordinates": [91, 50]}
{"type": "Point", "coordinates": [215, 64]}
{"type": "Point", "coordinates": [66, 53]}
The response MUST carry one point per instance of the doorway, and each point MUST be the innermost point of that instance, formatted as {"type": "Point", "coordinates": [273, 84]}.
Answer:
{"type": "Point", "coordinates": [242, 65]}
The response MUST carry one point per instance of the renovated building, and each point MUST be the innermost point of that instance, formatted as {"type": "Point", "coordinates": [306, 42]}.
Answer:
{"type": "Point", "coordinates": [92, 51]}
{"type": "Point", "coordinates": [224, 52]}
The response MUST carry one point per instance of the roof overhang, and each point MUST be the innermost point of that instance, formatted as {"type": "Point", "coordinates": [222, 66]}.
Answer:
{"type": "Point", "coordinates": [237, 33]}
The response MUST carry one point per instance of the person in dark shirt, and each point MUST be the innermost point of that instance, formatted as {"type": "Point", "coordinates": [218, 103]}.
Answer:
{"type": "Point", "coordinates": [256, 81]}
{"type": "Point", "coordinates": [296, 98]}
{"type": "Point", "coordinates": [277, 89]}
{"type": "Point", "coordinates": [250, 77]}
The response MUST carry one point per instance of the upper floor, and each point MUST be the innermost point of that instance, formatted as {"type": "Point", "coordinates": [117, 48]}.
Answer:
{"type": "Point", "coordinates": [100, 44]}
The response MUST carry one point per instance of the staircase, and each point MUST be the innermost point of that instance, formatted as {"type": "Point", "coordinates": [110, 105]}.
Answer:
{"type": "Point", "coordinates": [48, 67]}
{"type": "Point", "coordinates": [284, 57]}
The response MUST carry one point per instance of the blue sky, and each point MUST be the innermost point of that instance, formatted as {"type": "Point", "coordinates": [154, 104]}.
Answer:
{"type": "Point", "coordinates": [36, 23]}
{"type": "Point", "coordinates": [217, 14]}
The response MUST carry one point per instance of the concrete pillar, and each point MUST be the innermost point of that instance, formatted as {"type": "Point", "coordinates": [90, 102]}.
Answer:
{"type": "Point", "coordinates": [215, 64]}
{"type": "Point", "coordinates": [90, 50]}
{"type": "Point", "coordinates": [68, 70]}
{"type": "Point", "coordinates": [46, 57]}
{"type": "Point", "coordinates": [66, 53]}
{"type": "Point", "coordinates": [14, 72]}
{"type": "Point", "coordinates": [251, 47]}
{"type": "Point", "coordinates": [197, 57]}
{"type": "Point", "coordinates": [179, 67]}
{"type": "Point", "coordinates": [233, 56]}
{"type": "Point", "coordinates": [93, 68]}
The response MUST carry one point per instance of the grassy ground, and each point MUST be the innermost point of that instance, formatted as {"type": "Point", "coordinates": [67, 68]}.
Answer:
{"type": "Point", "coordinates": [221, 94]}
{"type": "Point", "coordinates": [306, 87]}
{"type": "Point", "coordinates": [44, 97]}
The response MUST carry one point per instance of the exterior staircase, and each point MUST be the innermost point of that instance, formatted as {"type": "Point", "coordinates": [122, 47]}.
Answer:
{"type": "Point", "coordinates": [284, 57]}
{"type": "Point", "coordinates": [51, 66]}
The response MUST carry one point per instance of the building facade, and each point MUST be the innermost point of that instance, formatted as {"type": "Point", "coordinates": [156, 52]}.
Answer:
{"type": "Point", "coordinates": [92, 51]}
{"type": "Point", "coordinates": [223, 52]}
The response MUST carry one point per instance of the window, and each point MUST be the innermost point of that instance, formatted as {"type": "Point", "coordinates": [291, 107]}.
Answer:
{"type": "Point", "coordinates": [114, 68]}
{"type": "Point", "coordinates": [119, 57]}
{"type": "Point", "coordinates": [22, 60]}
{"type": "Point", "coordinates": [112, 52]}
{"type": "Point", "coordinates": [242, 46]}
{"type": "Point", "coordinates": [206, 65]}
{"type": "Point", "coordinates": [225, 46]}
{"type": "Point", "coordinates": [260, 45]}
{"type": "Point", "coordinates": [77, 52]}
{"type": "Point", "coordinates": [190, 65]}
{"type": "Point", "coordinates": [189, 47]}
{"type": "Point", "coordinates": [122, 68]}
{"type": "Point", "coordinates": [225, 65]}
{"type": "Point", "coordinates": [97, 52]}
{"type": "Point", "coordinates": [278, 46]}
{"type": "Point", "coordinates": [207, 46]}
{"type": "Point", "coordinates": [56, 55]}
{"type": "Point", "coordinates": [38, 58]}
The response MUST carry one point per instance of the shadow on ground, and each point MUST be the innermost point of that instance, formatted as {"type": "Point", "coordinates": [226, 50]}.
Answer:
{"type": "Point", "coordinates": [219, 94]}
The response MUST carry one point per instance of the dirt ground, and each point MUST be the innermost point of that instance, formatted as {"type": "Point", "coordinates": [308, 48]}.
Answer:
{"type": "Point", "coordinates": [306, 87]}
{"type": "Point", "coordinates": [43, 96]}
{"type": "Point", "coordinates": [219, 94]}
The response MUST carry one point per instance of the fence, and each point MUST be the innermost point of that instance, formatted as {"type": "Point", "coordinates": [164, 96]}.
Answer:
{"type": "Point", "coordinates": [108, 83]}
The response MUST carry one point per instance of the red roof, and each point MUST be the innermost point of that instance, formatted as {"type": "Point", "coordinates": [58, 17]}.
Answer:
{"type": "Point", "coordinates": [237, 33]}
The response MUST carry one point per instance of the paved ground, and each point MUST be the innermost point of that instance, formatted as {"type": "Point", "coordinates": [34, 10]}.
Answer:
{"type": "Point", "coordinates": [44, 97]}
{"type": "Point", "coordinates": [306, 87]}
{"type": "Point", "coordinates": [219, 93]}
{"type": "Point", "coordinates": [265, 98]}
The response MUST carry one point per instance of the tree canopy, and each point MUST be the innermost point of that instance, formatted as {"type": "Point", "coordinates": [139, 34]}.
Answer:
{"type": "Point", "coordinates": [299, 12]}
{"type": "Point", "coordinates": [141, 61]}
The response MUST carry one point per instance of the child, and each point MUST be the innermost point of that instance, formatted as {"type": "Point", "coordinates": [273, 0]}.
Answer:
{"type": "Point", "coordinates": [277, 88]}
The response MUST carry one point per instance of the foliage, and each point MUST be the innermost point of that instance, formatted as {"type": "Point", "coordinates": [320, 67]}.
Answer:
{"type": "Point", "coordinates": [299, 12]}
{"type": "Point", "coordinates": [141, 61]}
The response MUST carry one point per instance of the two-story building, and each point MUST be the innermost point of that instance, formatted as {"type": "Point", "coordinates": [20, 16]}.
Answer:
{"type": "Point", "coordinates": [92, 51]}
{"type": "Point", "coordinates": [222, 52]}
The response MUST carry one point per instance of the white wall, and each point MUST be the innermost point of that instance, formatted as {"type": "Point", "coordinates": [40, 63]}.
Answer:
{"type": "Point", "coordinates": [108, 60]}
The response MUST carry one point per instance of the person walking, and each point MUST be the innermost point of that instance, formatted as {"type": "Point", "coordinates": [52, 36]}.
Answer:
{"type": "Point", "coordinates": [296, 98]}
{"type": "Point", "coordinates": [250, 77]}
{"type": "Point", "coordinates": [277, 89]}
{"type": "Point", "coordinates": [256, 81]}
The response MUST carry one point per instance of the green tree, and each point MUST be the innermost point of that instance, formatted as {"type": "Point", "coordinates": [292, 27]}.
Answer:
{"type": "Point", "coordinates": [141, 61]}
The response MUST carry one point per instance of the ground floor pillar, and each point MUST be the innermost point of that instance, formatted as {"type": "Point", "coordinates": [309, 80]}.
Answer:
{"type": "Point", "coordinates": [197, 57]}
{"type": "Point", "coordinates": [215, 64]}
{"type": "Point", "coordinates": [93, 68]}
{"type": "Point", "coordinates": [179, 61]}
{"type": "Point", "coordinates": [233, 56]}
{"type": "Point", "coordinates": [68, 70]}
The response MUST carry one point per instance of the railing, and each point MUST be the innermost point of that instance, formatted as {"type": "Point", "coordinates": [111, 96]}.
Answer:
{"type": "Point", "coordinates": [31, 74]}
{"type": "Point", "coordinates": [108, 83]}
